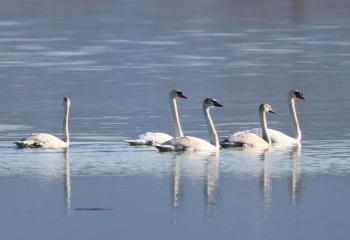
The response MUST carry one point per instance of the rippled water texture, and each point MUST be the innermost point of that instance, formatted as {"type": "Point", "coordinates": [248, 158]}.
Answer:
{"type": "Point", "coordinates": [117, 60]}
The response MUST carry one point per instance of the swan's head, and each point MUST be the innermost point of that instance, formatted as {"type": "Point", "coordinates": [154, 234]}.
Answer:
{"type": "Point", "coordinates": [66, 101]}
{"type": "Point", "coordinates": [266, 108]}
{"type": "Point", "coordinates": [211, 102]}
{"type": "Point", "coordinates": [177, 93]}
{"type": "Point", "coordinates": [296, 94]}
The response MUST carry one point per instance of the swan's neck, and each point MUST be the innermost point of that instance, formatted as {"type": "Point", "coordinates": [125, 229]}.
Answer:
{"type": "Point", "coordinates": [176, 120]}
{"type": "Point", "coordinates": [65, 125]}
{"type": "Point", "coordinates": [295, 121]}
{"type": "Point", "coordinates": [264, 131]}
{"type": "Point", "coordinates": [212, 131]}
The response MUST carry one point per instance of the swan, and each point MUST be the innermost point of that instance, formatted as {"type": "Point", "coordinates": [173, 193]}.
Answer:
{"type": "Point", "coordinates": [248, 139]}
{"type": "Point", "coordinates": [45, 140]}
{"type": "Point", "coordinates": [189, 143]}
{"type": "Point", "coordinates": [151, 138]}
{"type": "Point", "coordinates": [279, 137]}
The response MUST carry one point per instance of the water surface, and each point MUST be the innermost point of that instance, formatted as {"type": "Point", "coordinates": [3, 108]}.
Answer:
{"type": "Point", "coordinates": [117, 60]}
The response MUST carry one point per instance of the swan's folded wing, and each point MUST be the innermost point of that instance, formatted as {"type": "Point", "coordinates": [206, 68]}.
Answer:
{"type": "Point", "coordinates": [240, 139]}
{"type": "Point", "coordinates": [189, 143]}
{"type": "Point", "coordinates": [280, 138]}
{"type": "Point", "coordinates": [175, 144]}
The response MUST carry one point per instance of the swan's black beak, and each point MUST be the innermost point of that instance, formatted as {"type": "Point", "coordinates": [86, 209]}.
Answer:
{"type": "Point", "coordinates": [301, 96]}
{"type": "Point", "coordinates": [216, 104]}
{"type": "Point", "coordinates": [272, 112]}
{"type": "Point", "coordinates": [182, 96]}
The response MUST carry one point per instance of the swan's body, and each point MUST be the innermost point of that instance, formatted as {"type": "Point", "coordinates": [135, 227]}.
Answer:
{"type": "Point", "coordinates": [279, 137]}
{"type": "Point", "coordinates": [152, 138]}
{"type": "Point", "coordinates": [244, 139]}
{"type": "Point", "coordinates": [45, 140]}
{"type": "Point", "coordinates": [248, 139]}
{"type": "Point", "coordinates": [186, 143]}
{"type": "Point", "coordinates": [41, 140]}
{"type": "Point", "coordinates": [189, 143]}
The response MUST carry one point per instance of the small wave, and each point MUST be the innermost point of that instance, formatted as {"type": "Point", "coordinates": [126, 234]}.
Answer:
{"type": "Point", "coordinates": [126, 41]}
{"type": "Point", "coordinates": [9, 23]}
{"type": "Point", "coordinates": [8, 127]}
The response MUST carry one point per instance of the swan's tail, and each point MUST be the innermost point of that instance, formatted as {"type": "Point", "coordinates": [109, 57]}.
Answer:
{"type": "Point", "coordinates": [165, 148]}
{"type": "Point", "coordinates": [139, 142]}
{"type": "Point", "coordinates": [25, 144]}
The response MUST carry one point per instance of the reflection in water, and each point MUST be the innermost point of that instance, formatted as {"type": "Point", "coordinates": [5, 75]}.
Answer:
{"type": "Point", "coordinates": [212, 179]}
{"type": "Point", "coordinates": [176, 182]}
{"type": "Point", "coordinates": [265, 177]}
{"type": "Point", "coordinates": [211, 176]}
{"type": "Point", "coordinates": [295, 178]}
{"type": "Point", "coordinates": [67, 181]}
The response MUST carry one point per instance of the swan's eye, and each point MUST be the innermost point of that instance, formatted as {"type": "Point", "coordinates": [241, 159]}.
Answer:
{"type": "Point", "coordinates": [298, 94]}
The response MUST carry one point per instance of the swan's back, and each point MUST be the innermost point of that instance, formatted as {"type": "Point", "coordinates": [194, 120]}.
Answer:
{"type": "Point", "coordinates": [244, 139]}
{"type": "Point", "coordinates": [275, 136]}
{"type": "Point", "coordinates": [150, 138]}
{"type": "Point", "coordinates": [41, 140]}
{"type": "Point", "coordinates": [188, 143]}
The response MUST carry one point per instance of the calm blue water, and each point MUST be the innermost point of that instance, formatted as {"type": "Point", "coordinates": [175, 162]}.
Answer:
{"type": "Point", "coordinates": [117, 60]}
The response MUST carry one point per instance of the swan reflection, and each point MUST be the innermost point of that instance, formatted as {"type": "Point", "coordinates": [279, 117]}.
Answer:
{"type": "Point", "coordinates": [210, 170]}
{"type": "Point", "coordinates": [176, 182]}
{"type": "Point", "coordinates": [67, 181]}
{"type": "Point", "coordinates": [265, 177]}
{"type": "Point", "coordinates": [212, 179]}
{"type": "Point", "coordinates": [296, 177]}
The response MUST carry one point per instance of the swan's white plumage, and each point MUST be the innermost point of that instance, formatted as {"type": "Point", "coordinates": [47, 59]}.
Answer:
{"type": "Point", "coordinates": [41, 140]}
{"type": "Point", "coordinates": [150, 138]}
{"type": "Point", "coordinates": [245, 139]}
{"type": "Point", "coordinates": [186, 143]}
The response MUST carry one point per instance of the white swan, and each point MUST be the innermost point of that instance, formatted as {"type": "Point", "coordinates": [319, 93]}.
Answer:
{"type": "Point", "coordinates": [188, 143]}
{"type": "Point", "coordinates": [45, 140]}
{"type": "Point", "coordinates": [151, 138]}
{"type": "Point", "coordinates": [279, 137]}
{"type": "Point", "coordinates": [248, 139]}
